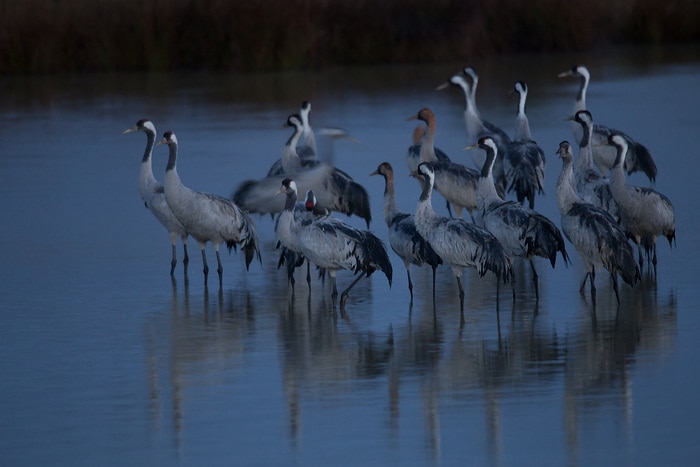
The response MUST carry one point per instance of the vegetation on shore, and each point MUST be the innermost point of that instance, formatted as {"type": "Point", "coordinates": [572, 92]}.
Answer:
{"type": "Point", "coordinates": [232, 35]}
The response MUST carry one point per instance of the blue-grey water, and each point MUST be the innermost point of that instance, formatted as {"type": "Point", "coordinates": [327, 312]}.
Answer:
{"type": "Point", "coordinates": [106, 360]}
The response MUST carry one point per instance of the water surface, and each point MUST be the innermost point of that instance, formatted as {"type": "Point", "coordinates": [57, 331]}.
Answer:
{"type": "Point", "coordinates": [107, 360]}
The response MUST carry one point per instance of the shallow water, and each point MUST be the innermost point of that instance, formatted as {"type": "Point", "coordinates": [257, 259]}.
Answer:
{"type": "Point", "coordinates": [107, 360]}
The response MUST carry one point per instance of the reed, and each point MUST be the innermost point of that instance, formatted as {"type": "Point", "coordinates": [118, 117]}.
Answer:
{"type": "Point", "coordinates": [162, 35]}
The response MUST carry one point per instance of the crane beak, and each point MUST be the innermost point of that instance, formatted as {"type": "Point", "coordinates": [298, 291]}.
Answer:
{"type": "Point", "coordinates": [442, 86]}
{"type": "Point", "coordinates": [162, 141]}
{"type": "Point", "coordinates": [570, 118]}
{"type": "Point", "coordinates": [374, 173]}
{"type": "Point", "coordinates": [564, 74]}
{"type": "Point", "coordinates": [130, 130]}
{"type": "Point", "coordinates": [473, 146]}
{"type": "Point", "coordinates": [412, 117]}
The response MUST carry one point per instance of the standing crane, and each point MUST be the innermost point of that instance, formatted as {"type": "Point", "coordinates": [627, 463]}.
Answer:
{"type": "Point", "coordinates": [525, 161]}
{"type": "Point", "coordinates": [459, 243]}
{"type": "Point", "coordinates": [475, 126]}
{"type": "Point", "coordinates": [291, 255]}
{"type": "Point", "coordinates": [455, 182]}
{"type": "Point", "coordinates": [334, 245]}
{"type": "Point", "coordinates": [593, 232]}
{"type": "Point", "coordinates": [404, 239]}
{"type": "Point", "coordinates": [645, 213]}
{"type": "Point", "coordinates": [207, 217]}
{"type": "Point", "coordinates": [520, 230]}
{"type": "Point", "coordinates": [604, 156]}
{"type": "Point", "coordinates": [335, 190]}
{"type": "Point", "coordinates": [593, 187]}
{"type": "Point", "coordinates": [153, 195]}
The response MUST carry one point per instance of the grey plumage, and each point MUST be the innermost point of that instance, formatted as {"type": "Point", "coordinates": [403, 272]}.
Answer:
{"type": "Point", "coordinates": [207, 217]}
{"type": "Point", "coordinates": [305, 148]}
{"type": "Point", "coordinates": [487, 129]}
{"type": "Point", "coordinates": [333, 245]}
{"type": "Point", "coordinates": [334, 189]}
{"type": "Point", "coordinates": [520, 230]}
{"type": "Point", "coordinates": [593, 187]}
{"type": "Point", "coordinates": [476, 127]}
{"type": "Point", "coordinates": [639, 157]}
{"type": "Point", "coordinates": [645, 213]}
{"type": "Point", "coordinates": [290, 255]}
{"type": "Point", "coordinates": [307, 141]}
{"type": "Point", "coordinates": [455, 182]}
{"type": "Point", "coordinates": [153, 194]}
{"type": "Point", "coordinates": [404, 238]}
{"type": "Point", "coordinates": [308, 148]}
{"type": "Point", "coordinates": [459, 243]}
{"type": "Point", "coordinates": [524, 161]}
{"type": "Point", "coordinates": [413, 157]}
{"type": "Point", "coordinates": [593, 232]}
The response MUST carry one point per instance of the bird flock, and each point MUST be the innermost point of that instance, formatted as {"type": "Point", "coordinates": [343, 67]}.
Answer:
{"type": "Point", "coordinates": [602, 216]}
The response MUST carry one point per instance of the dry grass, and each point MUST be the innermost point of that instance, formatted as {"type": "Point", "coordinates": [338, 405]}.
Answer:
{"type": "Point", "coordinates": [83, 35]}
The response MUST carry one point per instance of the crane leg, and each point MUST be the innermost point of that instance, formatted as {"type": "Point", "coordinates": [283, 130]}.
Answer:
{"type": "Point", "coordinates": [614, 281]}
{"type": "Point", "coordinates": [461, 292]}
{"type": "Point", "coordinates": [290, 278]}
{"type": "Point", "coordinates": [219, 269]}
{"type": "Point", "coordinates": [344, 295]}
{"type": "Point", "coordinates": [173, 262]}
{"type": "Point", "coordinates": [206, 266]}
{"type": "Point", "coordinates": [308, 273]}
{"type": "Point", "coordinates": [535, 279]}
{"type": "Point", "coordinates": [641, 258]}
{"type": "Point", "coordinates": [186, 259]}
{"type": "Point", "coordinates": [410, 284]}
{"type": "Point", "coordinates": [449, 210]}
{"type": "Point", "coordinates": [592, 276]}
{"type": "Point", "coordinates": [434, 273]}
{"type": "Point", "coordinates": [334, 294]}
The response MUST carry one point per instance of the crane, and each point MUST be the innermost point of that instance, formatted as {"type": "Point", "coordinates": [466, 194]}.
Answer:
{"type": "Point", "coordinates": [334, 245]}
{"type": "Point", "coordinates": [459, 243]}
{"type": "Point", "coordinates": [404, 239]}
{"type": "Point", "coordinates": [153, 195]}
{"type": "Point", "coordinates": [593, 232]}
{"type": "Point", "coordinates": [520, 230]}
{"type": "Point", "coordinates": [207, 217]}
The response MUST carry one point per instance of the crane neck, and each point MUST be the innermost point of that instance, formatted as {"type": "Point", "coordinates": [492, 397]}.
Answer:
{"type": "Point", "coordinates": [486, 189]}
{"type": "Point", "coordinates": [424, 209]}
{"type": "Point", "coordinates": [150, 142]}
{"type": "Point", "coordinates": [580, 103]}
{"type": "Point", "coordinates": [427, 149]}
{"type": "Point", "coordinates": [466, 89]}
{"type": "Point", "coordinates": [289, 155]}
{"type": "Point", "coordinates": [617, 175]}
{"type": "Point", "coordinates": [147, 180]}
{"type": "Point", "coordinates": [620, 157]}
{"type": "Point", "coordinates": [307, 136]}
{"type": "Point", "coordinates": [522, 124]}
{"type": "Point", "coordinates": [290, 201]}
{"type": "Point", "coordinates": [391, 208]}
{"type": "Point", "coordinates": [172, 158]}
{"type": "Point", "coordinates": [566, 191]}
{"type": "Point", "coordinates": [585, 158]}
